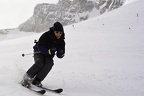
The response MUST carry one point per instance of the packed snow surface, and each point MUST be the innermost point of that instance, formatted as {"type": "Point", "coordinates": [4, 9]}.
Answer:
{"type": "Point", "coordinates": [104, 57]}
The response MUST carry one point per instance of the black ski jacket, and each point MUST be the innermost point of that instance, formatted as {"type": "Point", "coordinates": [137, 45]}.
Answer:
{"type": "Point", "coordinates": [48, 41]}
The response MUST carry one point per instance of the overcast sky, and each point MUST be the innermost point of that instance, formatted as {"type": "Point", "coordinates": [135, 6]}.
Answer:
{"type": "Point", "coordinates": [15, 12]}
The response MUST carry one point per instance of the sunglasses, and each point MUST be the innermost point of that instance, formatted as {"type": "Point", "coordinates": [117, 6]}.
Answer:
{"type": "Point", "coordinates": [58, 32]}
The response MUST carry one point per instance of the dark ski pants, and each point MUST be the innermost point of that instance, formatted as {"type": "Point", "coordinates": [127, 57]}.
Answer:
{"type": "Point", "coordinates": [41, 68]}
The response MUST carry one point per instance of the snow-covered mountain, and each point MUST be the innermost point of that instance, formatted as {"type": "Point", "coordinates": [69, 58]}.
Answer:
{"type": "Point", "coordinates": [104, 57]}
{"type": "Point", "coordinates": [67, 12]}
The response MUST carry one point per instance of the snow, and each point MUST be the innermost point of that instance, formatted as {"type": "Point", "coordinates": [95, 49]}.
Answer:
{"type": "Point", "coordinates": [104, 57]}
{"type": "Point", "coordinates": [129, 1]}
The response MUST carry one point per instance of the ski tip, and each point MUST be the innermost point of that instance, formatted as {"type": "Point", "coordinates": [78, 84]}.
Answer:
{"type": "Point", "coordinates": [59, 90]}
{"type": "Point", "coordinates": [42, 91]}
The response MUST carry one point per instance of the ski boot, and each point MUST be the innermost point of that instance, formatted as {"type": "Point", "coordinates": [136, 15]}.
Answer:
{"type": "Point", "coordinates": [26, 82]}
{"type": "Point", "coordinates": [37, 82]}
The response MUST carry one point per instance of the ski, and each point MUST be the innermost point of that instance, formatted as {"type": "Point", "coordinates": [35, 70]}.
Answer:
{"type": "Point", "coordinates": [59, 90]}
{"type": "Point", "coordinates": [39, 92]}
{"type": "Point", "coordinates": [28, 86]}
{"type": "Point", "coordinates": [42, 89]}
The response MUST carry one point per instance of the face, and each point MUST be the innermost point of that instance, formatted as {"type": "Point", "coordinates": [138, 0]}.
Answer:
{"type": "Point", "coordinates": [57, 34]}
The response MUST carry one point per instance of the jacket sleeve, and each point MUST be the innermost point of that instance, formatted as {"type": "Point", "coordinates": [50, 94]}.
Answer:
{"type": "Point", "coordinates": [41, 46]}
{"type": "Point", "coordinates": [41, 49]}
{"type": "Point", "coordinates": [61, 49]}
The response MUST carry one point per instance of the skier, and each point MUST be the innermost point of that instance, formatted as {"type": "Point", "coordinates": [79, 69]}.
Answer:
{"type": "Point", "coordinates": [51, 43]}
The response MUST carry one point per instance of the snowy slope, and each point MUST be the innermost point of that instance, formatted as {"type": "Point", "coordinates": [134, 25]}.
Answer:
{"type": "Point", "coordinates": [129, 1]}
{"type": "Point", "coordinates": [104, 57]}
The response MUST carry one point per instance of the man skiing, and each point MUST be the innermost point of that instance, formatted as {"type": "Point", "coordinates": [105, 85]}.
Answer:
{"type": "Point", "coordinates": [51, 43]}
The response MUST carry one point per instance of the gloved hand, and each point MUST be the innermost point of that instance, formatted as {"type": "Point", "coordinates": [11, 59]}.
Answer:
{"type": "Point", "coordinates": [51, 51]}
{"type": "Point", "coordinates": [60, 53]}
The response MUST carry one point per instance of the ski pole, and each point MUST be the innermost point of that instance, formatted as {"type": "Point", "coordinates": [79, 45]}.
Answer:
{"type": "Point", "coordinates": [29, 53]}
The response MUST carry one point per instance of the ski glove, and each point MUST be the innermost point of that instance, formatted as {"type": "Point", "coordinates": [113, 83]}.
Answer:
{"type": "Point", "coordinates": [60, 53]}
{"type": "Point", "coordinates": [51, 51]}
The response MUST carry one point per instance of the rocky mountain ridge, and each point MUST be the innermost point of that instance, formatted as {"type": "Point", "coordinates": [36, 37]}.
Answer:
{"type": "Point", "coordinates": [67, 12]}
